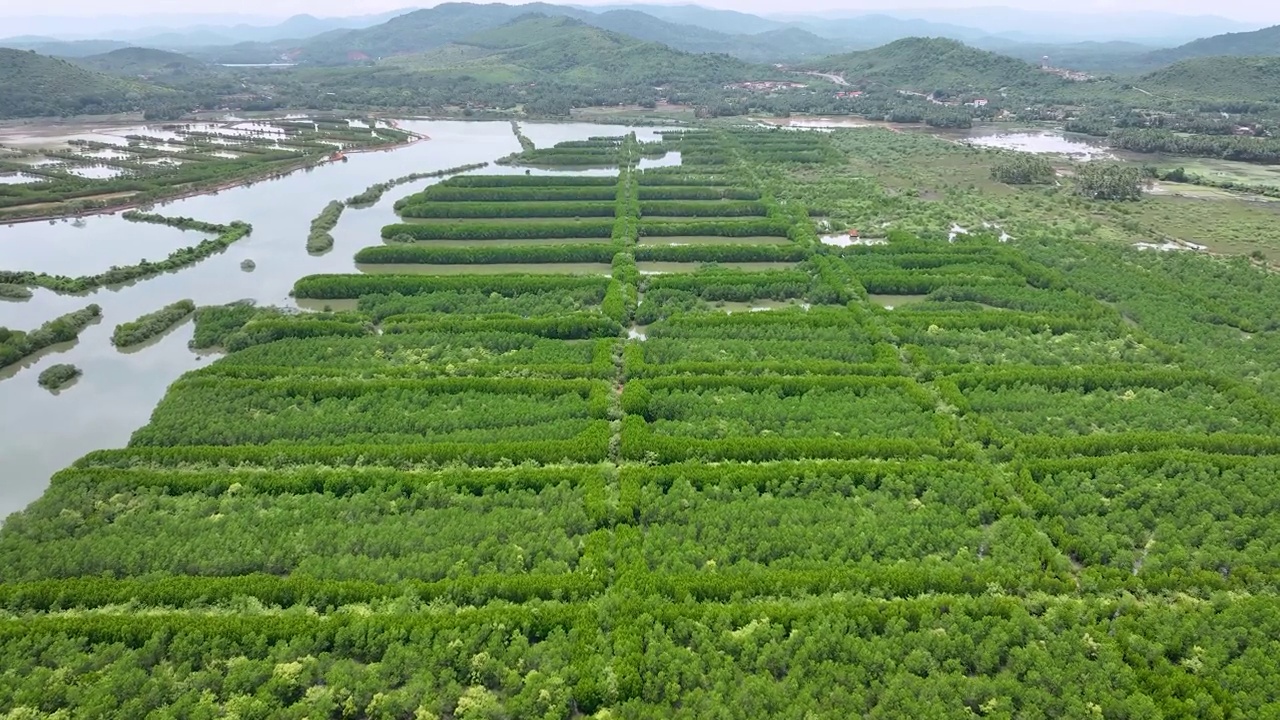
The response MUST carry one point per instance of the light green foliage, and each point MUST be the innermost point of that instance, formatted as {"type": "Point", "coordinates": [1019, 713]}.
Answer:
{"type": "Point", "coordinates": [1040, 487]}
{"type": "Point", "coordinates": [151, 324]}
{"type": "Point", "coordinates": [1023, 170]}
{"type": "Point", "coordinates": [1109, 181]}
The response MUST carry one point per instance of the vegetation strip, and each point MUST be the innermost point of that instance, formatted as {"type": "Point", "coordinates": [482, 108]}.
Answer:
{"type": "Point", "coordinates": [15, 345]}
{"type": "Point", "coordinates": [151, 324]}
{"type": "Point", "coordinates": [983, 461]}
{"type": "Point", "coordinates": [226, 235]}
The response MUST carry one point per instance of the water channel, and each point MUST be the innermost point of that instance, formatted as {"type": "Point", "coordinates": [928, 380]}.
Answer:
{"type": "Point", "coordinates": [41, 433]}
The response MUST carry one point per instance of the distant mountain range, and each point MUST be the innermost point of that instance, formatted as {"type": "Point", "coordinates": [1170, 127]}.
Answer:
{"type": "Point", "coordinates": [1096, 40]}
{"type": "Point", "coordinates": [1260, 43]}
{"type": "Point", "coordinates": [1064, 27]}
{"type": "Point", "coordinates": [63, 48]}
{"type": "Point", "coordinates": [869, 49]}
{"type": "Point", "coordinates": [193, 35]}
{"type": "Point", "coordinates": [857, 31]}
{"type": "Point", "coordinates": [535, 47]}
{"type": "Point", "coordinates": [478, 50]}
{"type": "Point", "coordinates": [424, 30]}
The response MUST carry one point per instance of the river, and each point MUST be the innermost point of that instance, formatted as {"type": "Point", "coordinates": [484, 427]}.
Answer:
{"type": "Point", "coordinates": [42, 432]}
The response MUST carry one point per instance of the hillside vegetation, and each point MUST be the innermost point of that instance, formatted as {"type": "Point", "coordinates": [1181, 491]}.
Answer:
{"type": "Point", "coordinates": [1259, 42]}
{"type": "Point", "coordinates": [34, 85]}
{"type": "Point", "coordinates": [423, 31]}
{"type": "Point", "coordinates": [771, 46]}
{"type": "Point", "coordinates": [928, 64]}
{"type": "Point", "coordinates": [1221, 78]}
{"type": "Point", "coordinates": [134, 61]}
{"type": "Point", "coordinates": [415, 32]}
{"type": "Point", "coordinates": [569, 51]}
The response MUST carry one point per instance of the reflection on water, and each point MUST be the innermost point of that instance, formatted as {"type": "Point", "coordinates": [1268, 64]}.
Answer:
{"type": "Point", "coordinates": [41, 433]}
{"type": "Point", "coordinates": [889, 302]}
{"type": "Point", "coordinates": [820, 123]}
{"type": "Point", "coordinates": [184, 328]}
{"type": "Point", "coordinates": [657, 267]}
{"type": "Point", "coordinates": [1024, 140]}
{"type": "Point", "coordinates": [65, 386]}
{"type": "Point", "coordinates": [88, 245]}
{"type": "Point", "coordinates": [670, 240]}
{"type": "Point", "coordinates": [1040, 141]}
{"type": "Point", "coordinates": [848, 240]}
{"type": "Point", "coordinates": [760, 305]}
{"type": "Point", "coordinates": [487, 269]}
{"type": "Point", "coordinates": [96, 172]}
{"type": "Point", "coordinates": [340, 305]}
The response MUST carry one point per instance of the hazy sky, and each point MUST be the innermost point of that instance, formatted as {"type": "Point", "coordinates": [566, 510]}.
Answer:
{"type": "Point", "coordinates": [1250, 10]}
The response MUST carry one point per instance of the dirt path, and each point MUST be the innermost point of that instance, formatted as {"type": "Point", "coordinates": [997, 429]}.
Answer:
{"type": "Point", "coordinates": [828, 76]}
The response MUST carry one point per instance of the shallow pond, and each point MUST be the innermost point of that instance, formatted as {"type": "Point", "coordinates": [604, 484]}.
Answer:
{"type": "Point", "coordinates": [487, 269]}
{"type": "Point", "coordinates": [760, 305]}
{"type": "Point", "coordinates": [653, 267]}
{"type": "Point", "coordinates": [889, 302]}
{"type": "Point", "coordinates": [1033, 140]}
{"type": "Point", "coordinates": [1039, 141]}
{"type": "Point", "coordinates": [821, 122]}
{"type": "Point", "coordinates": [41, 433]}
{"type": "Point", "coordinates": [648, 241]}
{"type": "Point", "coordinates": [845, 240]}
{"type": "Point", "coordinates": [96, 172]}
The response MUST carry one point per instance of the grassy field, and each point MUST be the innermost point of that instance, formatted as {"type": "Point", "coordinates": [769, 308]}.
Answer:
{"type": "Point", "coordinates": [927, 185]}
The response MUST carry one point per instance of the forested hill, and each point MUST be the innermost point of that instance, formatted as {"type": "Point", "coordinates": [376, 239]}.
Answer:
{"type": "Point", "coordinates": [37, 85]}
{"type": "Point", "coordinates": [425, 30]}
{"type": "Point", "coordinates": [567, 51]}
{"type": "Point", "coordinates": [1264, 42]}
{"type": "Point", "coordinates": [134, 61]}
{"type": "Point", "coordinates": [416, 32]}
{"type": "Point", "coordinates": [783, 44]}
{"type": "Point", "coordinates": [1218, 78]}
{"type": "Point", "coordinates": [929, 64]}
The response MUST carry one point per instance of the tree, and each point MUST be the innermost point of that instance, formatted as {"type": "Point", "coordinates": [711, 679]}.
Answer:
{"type": "Point", "coordinates": [1110, 181]}
{"type": "Point", "coordinates": [1024, 169]}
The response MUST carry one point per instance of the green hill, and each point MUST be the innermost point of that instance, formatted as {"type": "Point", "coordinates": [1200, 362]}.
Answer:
{"type": "Point", "coordinates": [33, 85]}
{"type": "Point", "coordinates": [1264, 42]}
{"type": "Point", "coordinates": [1221, 78]}
{"type": "Point", "coordinates": [773, 46]}
{"type": "Point", "coordinates": [417, 32]}
{"type": "Point", "coordinates": [570, 52]}
{"type": "Point", "coordinates": [928, 64]}
{"type": "Point", "coordinates": [137, 61]}
{"type": "Point", "coordinates": [423, 31]}
{"type": "Point", "coordinates": [63, 48]}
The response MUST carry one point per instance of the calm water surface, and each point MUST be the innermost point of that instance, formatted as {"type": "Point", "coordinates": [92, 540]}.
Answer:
{"type": "Point", "coordinates": [41, 433]}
